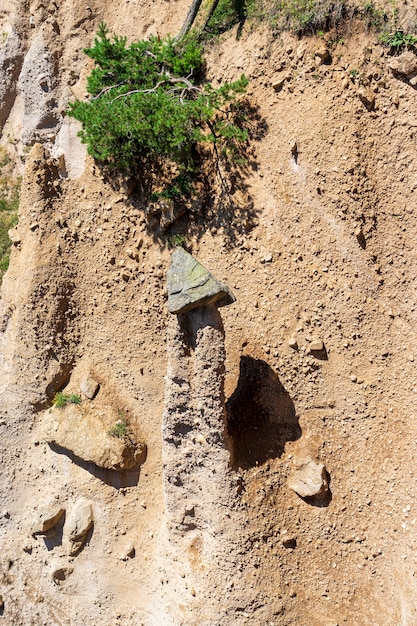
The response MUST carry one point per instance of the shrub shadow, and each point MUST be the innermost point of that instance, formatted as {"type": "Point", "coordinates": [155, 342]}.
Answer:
{"type": "Point", "coordinates": [261, 416]}
{"type": "Point", "coordinates": [113, 478]}
{"type": "Point", "coordinates": [228, 205]}
{"type": "Point", "coordinates": [220, 198]}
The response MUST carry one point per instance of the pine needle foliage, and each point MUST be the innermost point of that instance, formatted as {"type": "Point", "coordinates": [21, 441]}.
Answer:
{"type": "Point", "coordinates": [149, 102]}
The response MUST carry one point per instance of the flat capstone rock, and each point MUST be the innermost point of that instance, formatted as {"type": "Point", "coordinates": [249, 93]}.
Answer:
{"type": "Point", "coordinates": [190, 285]}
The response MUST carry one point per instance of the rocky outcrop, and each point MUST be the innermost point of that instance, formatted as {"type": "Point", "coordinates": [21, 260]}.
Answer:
{"type": "Point", "coordinates": [83, 432]}
{"type": "Point", "coordinates": [190, 285]}
{"type": "Point", "coordinates": [11, 59]}
{"type": "Point", "coordinates": [38, 85]}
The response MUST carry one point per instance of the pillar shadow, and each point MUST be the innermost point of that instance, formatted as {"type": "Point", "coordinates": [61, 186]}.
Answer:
{"type": "Point", "coordinates": [261, 416]}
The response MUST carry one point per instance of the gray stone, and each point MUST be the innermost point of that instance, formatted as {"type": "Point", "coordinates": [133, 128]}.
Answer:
{"type": "Point", "coordinates": [309, 478]}
{"type": "Point", "coordinates": [46, 518]}
{"type": "Point", "coordinates": [78, 524]}
{"type": "Point", "coordinates": [89, 387]}
{"type": "Point", "coordinates": [190, 285]}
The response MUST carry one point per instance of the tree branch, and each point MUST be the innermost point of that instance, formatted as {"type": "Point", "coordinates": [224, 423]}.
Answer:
{"type": "Point", "coordinates": [106, 89]}
{"type": "Point", "coordinates": [169, 79]}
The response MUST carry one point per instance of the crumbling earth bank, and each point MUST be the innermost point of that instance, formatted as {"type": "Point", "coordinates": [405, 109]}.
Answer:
{"type": "Point", "coordinates": [322, 262]}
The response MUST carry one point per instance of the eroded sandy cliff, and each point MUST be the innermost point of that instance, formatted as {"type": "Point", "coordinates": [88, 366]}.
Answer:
{"type": "Point", "coordinates": [317, 242]}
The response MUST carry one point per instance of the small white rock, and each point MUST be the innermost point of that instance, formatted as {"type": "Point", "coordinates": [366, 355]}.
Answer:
{"type": "Point", "coordinates": [292, 342]}
{"type": "Point", "coordinates": [309, 478]}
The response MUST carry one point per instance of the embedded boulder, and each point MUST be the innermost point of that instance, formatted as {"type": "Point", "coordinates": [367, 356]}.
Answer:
{"type": "Point", "coordinates": [89, 387]}
{"type": "Point", "coordinates": [38, 87]}
{"type": "Point", "coordinates": [46, 518]}
{"type": "Point", "coordinates": [92, 437]}
{"type": "Point", "coordinates": [78, 525]}
{"type": "Point", "coordinates": [69, 150]}
{"type": "Point", "coordinates": [309, 478]}
{"type": "Point", "coordinates": [190, 285]}
{"type": "Point", "coordinates": [405, 66]}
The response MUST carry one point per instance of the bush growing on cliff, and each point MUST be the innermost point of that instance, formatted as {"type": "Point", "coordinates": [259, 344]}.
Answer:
{"type": "Point", "coordinates": [9, 204]}
{"type": "Point", "coordinates": [7, 221]}
{"type": "Point", "coordinates": [398, 40]}
{"type": "Point", "coordinates": [62, 399]}
{"type": "Point", "coordinates": [150, 106]}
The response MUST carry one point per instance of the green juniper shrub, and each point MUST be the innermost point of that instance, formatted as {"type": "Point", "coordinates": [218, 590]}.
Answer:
{"type": "Point", "coordinates": [374, 17]}
{"type": "Point", "coordinates": [119, 430]}
{"type": "Point", "coordinates": [179, 187]}
{"type": "Point", "coordinates": [150, 106]}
